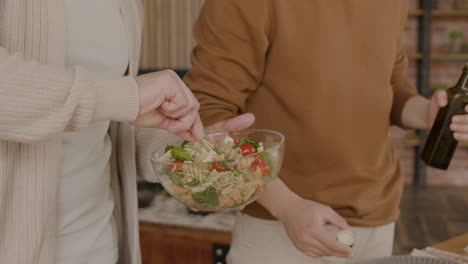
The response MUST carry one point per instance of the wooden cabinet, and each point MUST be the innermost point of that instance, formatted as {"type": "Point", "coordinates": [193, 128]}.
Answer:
{"type": "Point", "coordinates": [163, 244]}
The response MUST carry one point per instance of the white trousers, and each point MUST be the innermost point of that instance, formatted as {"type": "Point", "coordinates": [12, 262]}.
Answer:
{"type": "Point", "coordinates": [259, 241]}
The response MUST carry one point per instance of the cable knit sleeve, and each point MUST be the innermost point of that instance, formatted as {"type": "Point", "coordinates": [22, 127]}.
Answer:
{"type": "Point", "coordinates": [38, 101]}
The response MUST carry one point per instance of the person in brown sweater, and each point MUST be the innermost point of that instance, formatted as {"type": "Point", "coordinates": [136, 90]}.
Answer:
{"type": "Point", "coordinates": [329, 75]}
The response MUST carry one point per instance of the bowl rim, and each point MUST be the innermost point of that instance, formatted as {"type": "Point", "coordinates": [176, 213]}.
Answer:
{"type": "Point", "coordinates": [153, 159]}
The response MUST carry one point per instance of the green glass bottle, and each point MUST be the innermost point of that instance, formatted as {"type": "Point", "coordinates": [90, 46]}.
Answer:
{"type": "Point", "coordinates": [441, 145]}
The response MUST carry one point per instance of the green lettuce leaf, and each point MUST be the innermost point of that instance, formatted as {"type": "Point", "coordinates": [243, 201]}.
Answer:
{"type": "Point", "coordinates": [207, 198]}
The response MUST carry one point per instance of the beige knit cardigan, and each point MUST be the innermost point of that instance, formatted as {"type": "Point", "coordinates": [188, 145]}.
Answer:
{"type": "Point", "coordinates": [39, 99]}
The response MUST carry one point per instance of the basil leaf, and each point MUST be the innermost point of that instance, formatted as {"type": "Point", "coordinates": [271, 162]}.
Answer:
{"type": "Point", "coordinates": [207, 198]}
{"type": "Point", "coordinates": [266, 157]}
{"type": "Point", "coordinates": [184, 143]}
{"type": "Point", "coordinates": [253, 142]}
{"type": "Point", "coordinates": [168, 147]}
{"type": "Point", "coordinates": [239, 144]}
{"type": "Point", "coordinates": [256, 144]}
{"type": "Point", "coordinates": [179, 153]}
{"type": "Point", "coordinates": [193, 183]}
{"type": "Point", "coordinates": [224, 165]}
{"type": "Point", "coordinates": [215, 149]}
{"type": "Point", "coordinates": [175, 177]}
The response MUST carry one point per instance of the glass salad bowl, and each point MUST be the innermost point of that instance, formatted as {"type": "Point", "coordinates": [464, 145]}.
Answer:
{"type": "Point", "coordinates": [245, 163]}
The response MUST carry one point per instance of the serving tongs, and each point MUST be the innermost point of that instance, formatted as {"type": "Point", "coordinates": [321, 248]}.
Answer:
{"type": "Point", "coordinates": [206, 142]}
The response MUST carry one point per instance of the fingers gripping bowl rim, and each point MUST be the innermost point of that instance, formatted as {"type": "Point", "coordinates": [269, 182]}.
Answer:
{"type": "Point", "coordinates": [221, 184]}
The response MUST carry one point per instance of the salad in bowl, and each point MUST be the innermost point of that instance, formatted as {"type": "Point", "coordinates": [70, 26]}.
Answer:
{"type": "Point", "coordinates": [234, 176]}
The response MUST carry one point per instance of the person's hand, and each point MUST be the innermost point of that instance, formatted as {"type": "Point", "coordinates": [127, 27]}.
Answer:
{"type": "Point", "coordinates": [459, 123]}
{"type": "Point", "coordinates": [234, 124]}
{"type": "Point", "coordinates": [304, 222]}
{"type": "Point", "coordinates": [166, 103]}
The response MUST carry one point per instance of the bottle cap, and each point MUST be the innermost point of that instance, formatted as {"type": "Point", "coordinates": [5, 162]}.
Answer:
{"type": "Point", "coordinates": [346, 237]}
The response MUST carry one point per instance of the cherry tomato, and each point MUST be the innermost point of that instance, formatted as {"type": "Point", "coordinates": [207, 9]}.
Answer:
{"type": "Point", "coordinates": [174, 168]}
{"type": "Point", "coordinates": [259, 163]}
{"type": "Point", "coordinates": [219, 168]}
{"type": "Point", "coordinates": [248, 149]}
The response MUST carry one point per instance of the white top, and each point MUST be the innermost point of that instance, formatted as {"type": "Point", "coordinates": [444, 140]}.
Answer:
{"type": "Point", "coordinates": [86, 230]}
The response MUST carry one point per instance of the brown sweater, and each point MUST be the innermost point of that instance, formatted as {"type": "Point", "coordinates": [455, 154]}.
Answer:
{"type": "Point", "coordinates": [330, 75]}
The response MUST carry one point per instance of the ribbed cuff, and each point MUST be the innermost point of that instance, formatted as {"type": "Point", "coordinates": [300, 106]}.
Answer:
{"type": "Point", "coordinates": [116, 100]}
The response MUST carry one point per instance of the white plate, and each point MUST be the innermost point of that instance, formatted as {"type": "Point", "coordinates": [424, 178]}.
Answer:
{"type": "Point", "coordinates": [408, 260]}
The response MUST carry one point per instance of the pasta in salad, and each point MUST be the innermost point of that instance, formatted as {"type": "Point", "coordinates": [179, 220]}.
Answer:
{"type": "Point", "coordinates": [229, 179]}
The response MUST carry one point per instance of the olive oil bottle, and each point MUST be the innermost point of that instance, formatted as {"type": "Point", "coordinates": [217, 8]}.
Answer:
{"type": "Point", "coordinates": [440, 145]}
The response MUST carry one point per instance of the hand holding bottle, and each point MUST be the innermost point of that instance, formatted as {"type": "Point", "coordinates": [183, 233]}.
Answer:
{"type": "Point", "coordinates": [448, 113]}
{"type": "Point", "coordinates": [459, 124]}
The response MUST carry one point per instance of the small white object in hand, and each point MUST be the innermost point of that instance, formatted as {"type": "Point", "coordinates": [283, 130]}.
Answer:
{"type": "Point", "coordinates": [346, 237]}
{"type": "Point", "coordinates": [466, 249]}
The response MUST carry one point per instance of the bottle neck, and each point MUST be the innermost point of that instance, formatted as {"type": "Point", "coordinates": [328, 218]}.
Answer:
{"type": "Point", "coordinates": [463, 82]}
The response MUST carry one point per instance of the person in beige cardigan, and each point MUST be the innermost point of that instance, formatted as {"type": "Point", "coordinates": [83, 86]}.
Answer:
{"type": "Point", "coordinates": [43, 99]}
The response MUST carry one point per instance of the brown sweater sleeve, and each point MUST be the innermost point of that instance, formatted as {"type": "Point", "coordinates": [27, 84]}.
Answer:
{"type": "Point", "coordinates": [403, 89]}
{"type": "Point", "coordinates": [229, 60]}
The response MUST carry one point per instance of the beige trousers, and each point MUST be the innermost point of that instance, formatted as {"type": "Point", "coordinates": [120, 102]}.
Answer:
{"type": "Point", "coordinates": [259, 241]}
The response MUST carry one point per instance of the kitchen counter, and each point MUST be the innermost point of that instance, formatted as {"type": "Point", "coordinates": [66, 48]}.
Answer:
{"type": "Point", "coordinates": [168, 211]}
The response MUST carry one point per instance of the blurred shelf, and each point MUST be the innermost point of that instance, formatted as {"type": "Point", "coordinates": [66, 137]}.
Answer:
{"type": "Point", "coordinates": [441, 56]}
{"type": "Point", "coordinates": [450, 56]}
{"type": "Point", "coordinates": [414, 56]}
{"type": "Point", "coordinates": [441, 12]}
{"type": "Point", "coordinates": [416, 12]}
{"type": "Point", "coordinates": [450, 12]}
{"type": "Point", "coordinates": [415, 141]}
{"type": "Point", "coordinates": [412, 141]}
